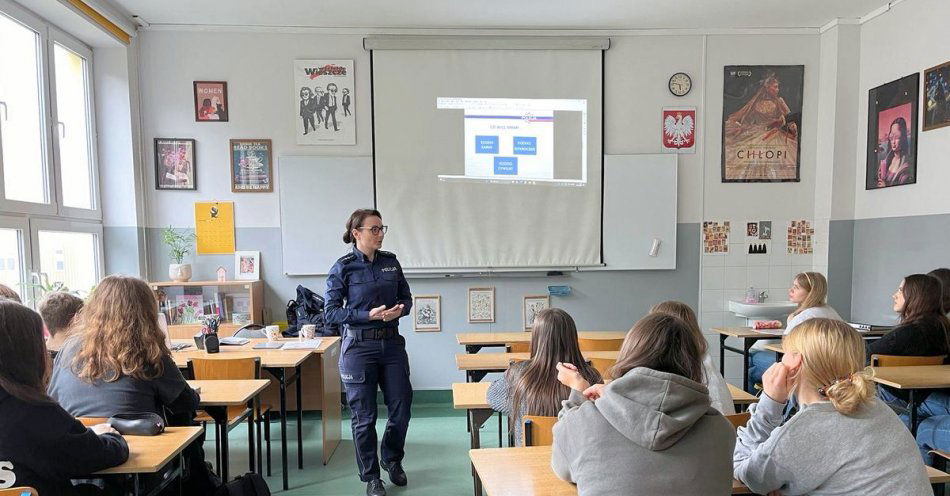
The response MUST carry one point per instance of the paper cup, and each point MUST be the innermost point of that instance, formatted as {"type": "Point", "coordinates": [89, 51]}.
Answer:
{"type": "Point", "coordinates": [307, 331]}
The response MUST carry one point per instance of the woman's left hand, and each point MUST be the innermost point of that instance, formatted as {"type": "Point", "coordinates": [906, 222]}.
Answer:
{"type": "Point", "coordinates": [568, 375]}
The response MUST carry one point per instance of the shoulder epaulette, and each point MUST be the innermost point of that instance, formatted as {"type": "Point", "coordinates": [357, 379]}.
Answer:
{"type": "Point", "coordinates": [387, 253]}
{"type": "Point", "coordinates": [345, 259]}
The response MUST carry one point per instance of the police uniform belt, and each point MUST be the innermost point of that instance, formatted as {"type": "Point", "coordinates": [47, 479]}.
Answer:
{"type": "Point", "coordinates": [384, 333]}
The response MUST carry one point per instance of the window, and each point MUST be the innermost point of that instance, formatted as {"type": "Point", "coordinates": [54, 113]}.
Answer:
{"type": "Point", "coordinates": [72, 109]}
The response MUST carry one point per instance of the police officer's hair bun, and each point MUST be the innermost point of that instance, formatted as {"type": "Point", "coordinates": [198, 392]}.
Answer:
{"type": "Point", "coordinates": [356, 220]}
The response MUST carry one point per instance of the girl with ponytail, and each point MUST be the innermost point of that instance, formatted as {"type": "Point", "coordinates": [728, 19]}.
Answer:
{"type": "Point", "coordinates": [843, 433]}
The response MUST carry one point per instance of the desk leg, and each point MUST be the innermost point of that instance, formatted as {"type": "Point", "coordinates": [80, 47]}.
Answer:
{"type": "Point", "coordinates": [251, 445]}
{"type": "Point", "coordinates": [746, 345]}
{"type": "Point", "coordinates": [913, 413]}
{"type": "Point", "coordinates": [476, 419]}
{"type": "Point", "coordinates": [499, 430]}
{"type": "Point", "coordinates": [722, 354]}
{"type": "Point", "coordinates": [220, 416]}
{"type": "Point", "coordinates": [332, 414]}
{"type": "Point", "coordinates": [299, 419]}
{"type": "Point", "coordinates": [279, 374]}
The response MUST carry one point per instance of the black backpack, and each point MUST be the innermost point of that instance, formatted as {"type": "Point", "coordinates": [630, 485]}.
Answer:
{"type": "Point", "coordinates": [308, 309]}
{"type": "Point", "coordinates": [249, 484]}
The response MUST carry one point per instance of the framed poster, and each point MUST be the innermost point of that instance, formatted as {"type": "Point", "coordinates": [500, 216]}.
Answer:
{"type": "Point", "coordinates": [762, 123]}
{"type": "Point", "coordinates": [251, 166]}
{"type": "Point", "coordinates": [427, 313]}
{"type": "Point", "coordinates": [247, 265]}
{"type": "Point", "coordinates": [324, 104]}
{"type": "Point", "coordinates": [531, 306]}
{"type": "Point", "coordinates": [481, 305]}
{"type": "Point", "coordinates": [679, 129]}
{"type": "Point", "coordinates": [937, 97]}
{"type": "Point", "coordinates": [211, 101]}
{"type": "Point", "coordinates": [175, 166]}
{"type": "Point", "coordinates": [892, 134]}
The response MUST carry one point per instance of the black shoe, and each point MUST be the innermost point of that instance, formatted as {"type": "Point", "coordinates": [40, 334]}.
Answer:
{"type": "Point", "coordinates": [375, 488]}
{"type": "Point", "coordinates": [396, 473]}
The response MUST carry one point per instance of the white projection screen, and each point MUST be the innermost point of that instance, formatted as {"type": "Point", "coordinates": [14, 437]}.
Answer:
{"type": "Point", "coordinates": [489, 158]}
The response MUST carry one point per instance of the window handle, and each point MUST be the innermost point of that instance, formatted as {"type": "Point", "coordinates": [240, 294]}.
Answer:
{"type": "Point", "coordinates": [62, 129]}
{"type": "Point", "coordinates": [4, 105]}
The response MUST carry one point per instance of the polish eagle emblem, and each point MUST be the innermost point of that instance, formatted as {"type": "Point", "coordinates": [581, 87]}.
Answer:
{"type": "Point", "coordinates": [678, 130]}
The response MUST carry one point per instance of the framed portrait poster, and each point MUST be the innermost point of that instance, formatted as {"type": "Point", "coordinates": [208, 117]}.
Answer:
{"type": "Point", "coordinates": [762, 123]}
{"type": "Point", "coordinates": [324, 103]}
{"type": "Point", "coordinates": [937, 97]}
{"type": "Point", "coordinates": [247, 265]}
{"type": "Point", "coordinates": [530, 307]}
{"type": "Point", "coordinates": [481, 305]}
{"type": "Point", "coordinates": [427, 313]}
{"type": "Point", "coordinates": [211, 101]}
{"type": "Point", "coordinates": [892, 134]}
{"type": "Point", "coordinates": [175, 166]}
{"type": "Point", "coordinates": [252, 167]}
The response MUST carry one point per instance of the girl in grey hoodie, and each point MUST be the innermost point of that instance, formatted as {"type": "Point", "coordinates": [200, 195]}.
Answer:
{"type": "Point", "coordinates": [652, 429]}
{"type": "Point", "coordinates": [843, 441]}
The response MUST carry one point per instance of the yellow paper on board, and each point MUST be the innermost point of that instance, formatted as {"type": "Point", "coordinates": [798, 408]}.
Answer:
{"type": "Point", "coordinates": [214, 227]}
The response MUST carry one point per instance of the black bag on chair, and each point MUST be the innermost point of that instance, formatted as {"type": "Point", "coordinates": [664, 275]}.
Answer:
{"type": "Point", "coordinates": [249, 484]}
{"type": "Point", "coordinates": [308, 309]}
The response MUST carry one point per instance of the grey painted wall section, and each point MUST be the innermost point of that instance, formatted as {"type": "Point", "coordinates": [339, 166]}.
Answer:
{"type": "Point", "coordinates": [608, 300]}
{"type": "Point", "coordinates": [840, 265]}
{"type": "Point", "coordinates": [886, 250]}
{"type": "Point", "coordinates": [123, 247]}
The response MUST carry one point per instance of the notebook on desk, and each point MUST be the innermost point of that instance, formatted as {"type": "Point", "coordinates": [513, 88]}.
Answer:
{"type": "Point", "coordinates": [309, 344]}
{"type": "Point", "coordinates": [233, 341]}
{"type": "Point", "coordinates": [868, 327]}
{"type": "Point", "coordinates": [179, 346]}
{"type": "Point", "coordinates": [268, 345]}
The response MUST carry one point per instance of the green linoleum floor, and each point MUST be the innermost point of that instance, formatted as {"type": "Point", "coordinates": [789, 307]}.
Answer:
{"type": "Point", "coordinates": [436, 460]}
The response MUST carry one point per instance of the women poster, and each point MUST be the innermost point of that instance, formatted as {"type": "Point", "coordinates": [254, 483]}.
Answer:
{"type": "Point", "coordinates": [892, 134]}
{"type": "Point", "coordinates": [324, 102]}
{"type": "Point", "coordinates": [762, 123]}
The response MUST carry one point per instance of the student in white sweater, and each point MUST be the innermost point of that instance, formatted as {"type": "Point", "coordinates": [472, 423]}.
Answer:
{"type": "Point", "coordinates": [843, 441]}
{"type": "Point", "coordinates": [809, 290]}
{"type": "Point", "coordinates": [719, 395]}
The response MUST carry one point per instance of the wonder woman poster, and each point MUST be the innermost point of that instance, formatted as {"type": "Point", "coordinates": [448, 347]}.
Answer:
{"type": "Point", "coordinates": [762, 123]}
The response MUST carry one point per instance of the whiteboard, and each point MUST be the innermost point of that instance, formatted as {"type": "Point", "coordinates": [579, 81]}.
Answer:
{"type": "Point", "coordinates": [639, 206]}
{"type": "Point", "coordinates": [317, 196]}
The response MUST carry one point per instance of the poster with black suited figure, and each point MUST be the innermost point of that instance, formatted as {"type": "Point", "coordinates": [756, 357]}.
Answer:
{"type": "Point", "coordinates": [324, 103]}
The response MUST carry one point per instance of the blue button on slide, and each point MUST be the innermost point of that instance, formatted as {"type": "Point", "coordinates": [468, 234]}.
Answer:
{"type": "Point", "coordinates": [506, 166]}
{"type": "Point", "coordinates": [526, 145]}
{"type": "Point", "coordinates": [486, 144]}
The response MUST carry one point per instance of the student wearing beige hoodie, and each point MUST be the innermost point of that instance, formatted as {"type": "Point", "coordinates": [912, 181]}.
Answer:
{"type": "Point", "coordinates": [652, 429]}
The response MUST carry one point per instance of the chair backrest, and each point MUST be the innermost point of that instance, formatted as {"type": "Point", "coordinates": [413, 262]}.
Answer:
{"type": "Point", "coordinates": [602, 365]}
{"type": "Point", "coordinates": [519, 347]}
{"type": "Point", "coordinates": [250, 333]}
{"type": "Point", "coordinates": [538, 430]}
{"type": "Point", "coordinates": [91, 421]}
{"type": "Point", "coordinates": [19, 491]}
{"type": "Point", "coordinates": [224, 368]}
{"type": "Point", "coordinates": [738, 420]}
{"type": "Point", "coordinates": [905, 361]}
{"type": "Point", "coordinates": [591, 344]}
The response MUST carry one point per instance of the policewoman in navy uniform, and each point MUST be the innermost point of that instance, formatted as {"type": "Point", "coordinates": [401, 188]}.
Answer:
{"type": "Point", "coordinates": [367, 293]}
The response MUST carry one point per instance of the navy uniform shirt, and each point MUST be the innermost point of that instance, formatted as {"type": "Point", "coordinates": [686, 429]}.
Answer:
{"type": "Point", "coordinates": [365, 285]}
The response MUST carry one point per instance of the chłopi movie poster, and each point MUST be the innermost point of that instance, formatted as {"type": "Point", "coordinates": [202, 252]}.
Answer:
{"type": "Point", "coordinates": [324, 102]}
{"type": "Point", "coordinates": [762, 123]}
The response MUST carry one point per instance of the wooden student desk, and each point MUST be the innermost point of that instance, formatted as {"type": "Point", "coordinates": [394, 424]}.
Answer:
{"type": "Point", "coordinates": [278, 363]}
{"type": "Point", "coordinates": [475, 341]}
{"type": "Point", "coordinates": [749, 336]}
{"type": "Point", "coordinates": [216, 396]}
{"type": "Point", "coordinates": [151, 454]}
{"type": "Point", "coordinates": [527, 472]}
{"type": "Point", "coordinates": [477, 365]}
{"type": "Point", "coordinates": [912, 379]}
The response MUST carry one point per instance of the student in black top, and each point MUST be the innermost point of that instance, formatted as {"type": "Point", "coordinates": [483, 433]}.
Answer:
{"type": "Point", "coordinates": [924, 330]}
{"type": "Point", "coordinates": [41, 445]}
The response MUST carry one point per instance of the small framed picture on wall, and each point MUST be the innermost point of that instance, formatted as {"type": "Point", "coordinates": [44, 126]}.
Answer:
{"type": "Point", "coordinates": [211, 101]}
{"type": "Point", "coordinates": [252, 168]}
{"type": "Point", "coordinates": [530, 308]}
{"type": "Point", "coordinates": [427, 313]}
{"type": "Point", "coordinates": [481, 305]}
{"type": "Point", "coordinates": [247, 265]}
{"type": "Point", "coordinates": [175, 166]}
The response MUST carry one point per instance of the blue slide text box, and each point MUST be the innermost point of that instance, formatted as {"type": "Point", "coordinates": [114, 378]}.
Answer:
{"type": "Point", "coordinates": [525, 145]}
{"type": "Point", "coordinates": [486, 144]}
{"type": "Point", "coordinates": [506, 166]}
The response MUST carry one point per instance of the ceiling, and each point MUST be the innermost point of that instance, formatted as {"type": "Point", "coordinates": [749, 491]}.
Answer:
{"type": "Point", "coordinates": [501, 14]}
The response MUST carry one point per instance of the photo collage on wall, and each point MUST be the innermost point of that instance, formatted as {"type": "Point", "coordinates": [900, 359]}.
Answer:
{"type": "Point", "coordinates": [715, 237]}
{"type": "Point", "coordinates": [800, 235]}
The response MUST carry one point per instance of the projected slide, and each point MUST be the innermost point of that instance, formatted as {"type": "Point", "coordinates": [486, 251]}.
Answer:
{"type": "Point", "coordinates": [513, 140]}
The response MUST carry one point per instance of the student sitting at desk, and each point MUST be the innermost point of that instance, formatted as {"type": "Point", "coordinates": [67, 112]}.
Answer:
{"type": "Point", "coordinates": [58, 310]}
{"type": "Point", "coordinates": [652, 429]}
{"type": "Point", "coordinates": [843, 440]}
{"type": "Point", "coordinates": [943, 275]}
{"type": "Point", "coordinates": [531, 387]}
{"type": "Point", "coordinates": [9, 293]}
{"type": "Point", "coordinates": [809, 290]}
{"type": "Point", "coordinates": [117, 362]}
{"type": "Point", "coordinates": [719, 394]}
{"type": "Point", "coordinates": [41, 445]}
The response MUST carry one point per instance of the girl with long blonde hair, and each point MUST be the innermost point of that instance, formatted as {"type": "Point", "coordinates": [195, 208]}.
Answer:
{"type": "Point", "coordinates": [842, 435]}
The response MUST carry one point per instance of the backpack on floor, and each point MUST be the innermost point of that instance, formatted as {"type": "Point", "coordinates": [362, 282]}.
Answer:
{"type": "Point", "coordinates": [249, 484]}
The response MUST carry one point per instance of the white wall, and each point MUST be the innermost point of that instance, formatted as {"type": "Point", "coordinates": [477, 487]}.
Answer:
{"type": "Point", "coordinates": [911, 37]}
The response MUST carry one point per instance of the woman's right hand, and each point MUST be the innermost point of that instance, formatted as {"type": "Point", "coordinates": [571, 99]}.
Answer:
{"type": "Point", "coordinates": [594, 392]}
{"type": "Point", "coordinates": [101, 429]}
{"type": "Point", "coordinates": [377, 313]}
{"type": "Point", "coordinates": [776, 383]}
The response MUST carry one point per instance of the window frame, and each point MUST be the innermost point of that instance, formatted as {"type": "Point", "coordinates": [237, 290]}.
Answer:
{"type": "Point", "coordinates": [22, 224]}
{"type": "Point", "coordinates": [67, 226]}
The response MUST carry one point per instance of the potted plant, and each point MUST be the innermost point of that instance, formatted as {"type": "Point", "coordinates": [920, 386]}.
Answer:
{"type": "Point", "coordinates": [179, 244]}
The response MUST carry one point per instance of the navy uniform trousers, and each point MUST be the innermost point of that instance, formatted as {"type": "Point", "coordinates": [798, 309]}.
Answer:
{"type": "Point", "coordinates": [365, 365]}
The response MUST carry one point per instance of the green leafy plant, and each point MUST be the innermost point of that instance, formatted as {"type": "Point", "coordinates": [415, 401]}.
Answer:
{"type": "Point", "coordinates": [179, 243]}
